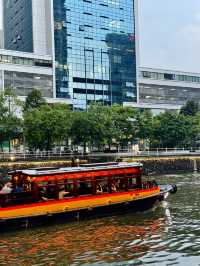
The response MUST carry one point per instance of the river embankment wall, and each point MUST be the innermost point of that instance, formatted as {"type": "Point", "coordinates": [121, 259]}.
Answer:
{"type": "Point", "coordinates": [167, 165]}
{"type": "Point", "coordinates": [151, 165]}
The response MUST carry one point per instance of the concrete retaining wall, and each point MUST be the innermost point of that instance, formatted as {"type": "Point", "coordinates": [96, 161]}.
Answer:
{"type": "Point", "coordinates": [168, 165]}
{"type": "Point", "coordinates": [151, 165]}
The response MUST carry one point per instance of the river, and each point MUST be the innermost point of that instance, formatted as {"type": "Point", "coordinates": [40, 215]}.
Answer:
{"type": "Point", "coordinates": [169, 234]}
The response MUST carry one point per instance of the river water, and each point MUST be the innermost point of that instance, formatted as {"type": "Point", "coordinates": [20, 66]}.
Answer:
{"type": "Point", "coordinates": [169, 234]}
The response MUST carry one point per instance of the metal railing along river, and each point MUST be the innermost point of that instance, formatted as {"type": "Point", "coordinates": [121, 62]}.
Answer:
{"type": "Point", "coordinates": [51, 155]}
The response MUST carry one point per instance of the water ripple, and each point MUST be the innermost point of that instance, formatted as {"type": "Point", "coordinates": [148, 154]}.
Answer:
{"type": "Point", "coordinates": [166, 235]}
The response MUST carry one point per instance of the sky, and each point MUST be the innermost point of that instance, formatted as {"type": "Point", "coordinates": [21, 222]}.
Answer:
{"type": "Point", "coordinates": [170, 34]}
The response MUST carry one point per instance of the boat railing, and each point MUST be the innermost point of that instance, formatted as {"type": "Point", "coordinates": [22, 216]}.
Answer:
{"type": "Point", "coordinates": [149, 184]}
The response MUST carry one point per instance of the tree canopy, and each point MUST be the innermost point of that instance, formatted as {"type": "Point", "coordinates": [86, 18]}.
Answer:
{"type": "Point", "coordinates": [34, 100]}
{"type": "Point", "coordinates": [190, 108]}
{"type": "Point", "coordinates": [10, 123]}
{"type": "Point", "coordinates": [47, 125]}
{"type": "Point", "coordinates": [173, 130]}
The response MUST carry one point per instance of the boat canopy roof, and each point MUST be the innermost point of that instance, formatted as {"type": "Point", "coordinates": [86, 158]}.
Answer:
{"type": "Point", "coordinates": [40, 175]}
{"type": "Point", "coordinates": [40, 172]}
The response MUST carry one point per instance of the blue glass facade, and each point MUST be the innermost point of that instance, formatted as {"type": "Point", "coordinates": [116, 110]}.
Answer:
{"type": "Point", "coordinates": [95, 51]}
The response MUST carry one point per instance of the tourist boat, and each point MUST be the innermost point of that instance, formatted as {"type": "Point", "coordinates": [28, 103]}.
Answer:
{"type": "Point", "coordinates": [74, 192]}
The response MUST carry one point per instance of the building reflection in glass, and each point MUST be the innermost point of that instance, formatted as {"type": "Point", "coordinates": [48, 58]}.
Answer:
{"type": "Point", "coordinates": [60, 38]}
{"type": "Point", "coordinates": [95, 51]}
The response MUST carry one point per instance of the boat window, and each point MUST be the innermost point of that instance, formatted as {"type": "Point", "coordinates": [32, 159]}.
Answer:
{"type": "Point", "coordinates": [84, 187]}
{"type": "Point", "coordinates": [132, 183]}
{"type": "Point", "coordinates": [21, 183]}
{"type": "Point", "coordinates": [119, 182]}
{"type": "Point", "coordinates": [67, 188]}
{"type": "Point", "coordinates": [102, 185]}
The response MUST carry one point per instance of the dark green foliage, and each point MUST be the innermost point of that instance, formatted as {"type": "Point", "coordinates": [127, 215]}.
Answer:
{"type": "Point", "coordinates": [173, 130]}
{"type": "Point", "coordinates": [103, 126]}
{"type": "Point", "coordinates": [34, 100]}
{"type": "Point", "coordinates": [10, 124]}
{"type": "Point", "coordinates": [190, 108]}
{"type": "Point", "coordinates": [47, 125]}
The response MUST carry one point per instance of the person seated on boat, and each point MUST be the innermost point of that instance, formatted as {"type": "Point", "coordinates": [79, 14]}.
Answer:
{"type": "Point", "coordinates": [113, 187]}
{"type": "Point", "coordinates": [27, 184]}
{"type": "Point", "coordinates": [99, 189]}
{"type": "Point", "coordinates": [43, 193]}
{"type": "Point", "coordinates": [7, 188]}
{"type": "Point", "coordinates": [62, 193]}
{"type": "Point", "coordinates": [15, 181]}
{"type": "Point", "coordinates": [118, 184]}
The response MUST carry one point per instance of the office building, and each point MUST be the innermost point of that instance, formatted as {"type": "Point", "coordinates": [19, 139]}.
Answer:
{"type": "Point", "coordinates": [24, 72]}
{"type": "Point", "coordinates": [27, 26]}
{"type": "Point", "coordinates": [1, 25]}
{"type": "Point", "coordinates": [26, 62]}
{"type": "Point", "coordinates": [161, 89]}
{"type": "Point", "coordinates": [95, 51]}
{"type": "Point", "coordinates": [92, 45]}
{"type": "Point", "coordinates": [18, 28]}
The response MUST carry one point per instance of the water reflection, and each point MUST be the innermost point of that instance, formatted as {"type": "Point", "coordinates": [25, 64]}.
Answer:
{"type": "Point", "coordinates": [167, 235]}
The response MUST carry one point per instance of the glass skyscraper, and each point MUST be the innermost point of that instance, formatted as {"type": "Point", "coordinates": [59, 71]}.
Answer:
{"type": "Point", "coordinates": [95, 51]}
{"type": "Point", "coordinates": [18, 28]}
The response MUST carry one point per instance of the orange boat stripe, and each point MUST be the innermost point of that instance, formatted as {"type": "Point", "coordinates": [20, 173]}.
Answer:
{"type": "Point", "coordinates": [57, 206]}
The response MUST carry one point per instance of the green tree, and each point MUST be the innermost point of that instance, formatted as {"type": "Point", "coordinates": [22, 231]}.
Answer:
{"type": "Point", "coordinates": [10, 123]}
{"type": "Point", "coordinates": [190, 108]}
{"type": "Point", "coordinates": [81, 131]}
{"type": "Point", "coordinates": [145, 124]}
{"type": "Point", "coordinates": [173, 130]}
{"type": "Point", "coordinates": [34, 100]}
{"type": "Point", "coordinates": [124, 124]}
{"type": "Point", "coordinates": [111, 125]}
{"type": "Point", "coordinates": [96, 127]}
{"type": "Point", "coordinates": [47, 125]}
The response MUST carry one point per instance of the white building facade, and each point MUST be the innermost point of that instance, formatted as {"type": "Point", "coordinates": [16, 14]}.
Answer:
{"type": "Point", "coordinates": [24, 72]}
{"type": "Point", "coordinates": [161, 89]}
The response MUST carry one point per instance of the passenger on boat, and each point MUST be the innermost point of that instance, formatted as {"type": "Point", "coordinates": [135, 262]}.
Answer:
{"type": "Point", "coordinates": [99, 189]}
{"type": "Point", "coordinates": [118, 184]}
{"type": "Point", "coordinates": [27, 184]}
{"type": "Point", "coordinates": [7, 188]}
{"type": "Point", "coordinates": [62, 193]}
{"type": "Point", "coordinates": [113, 187]}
